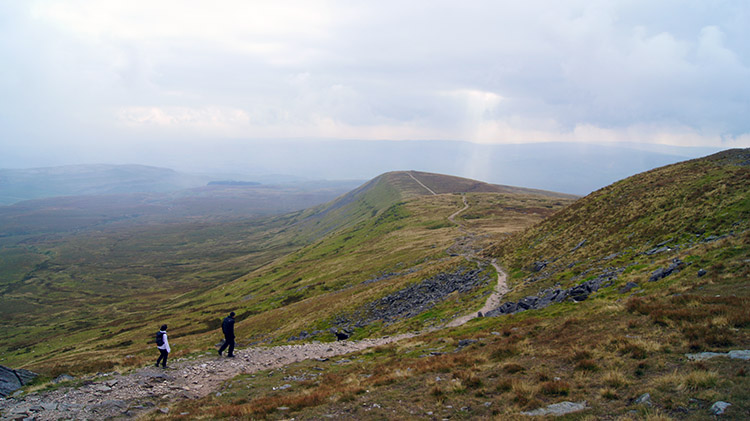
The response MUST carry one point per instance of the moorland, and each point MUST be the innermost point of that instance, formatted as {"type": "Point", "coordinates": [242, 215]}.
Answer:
{"type": "Point", "coordinates": [651, 270]}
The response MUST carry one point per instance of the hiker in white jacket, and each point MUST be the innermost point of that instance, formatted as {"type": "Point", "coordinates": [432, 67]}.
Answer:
{"type": "Point", "coordinates": [163, 348]}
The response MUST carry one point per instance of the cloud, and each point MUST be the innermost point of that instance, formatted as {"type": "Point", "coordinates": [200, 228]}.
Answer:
{"type": "Point", "coordinates": [674, 72]}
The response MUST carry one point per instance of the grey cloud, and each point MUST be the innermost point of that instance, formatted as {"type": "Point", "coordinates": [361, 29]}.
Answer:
{"type": "Point", "coordinates": [612, 65]}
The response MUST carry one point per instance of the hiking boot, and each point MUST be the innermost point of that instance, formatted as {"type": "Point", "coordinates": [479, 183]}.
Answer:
{"type": "Point", "coordinates": [220, 353]}
{"type": "Point", "coordinates": [230, 356]}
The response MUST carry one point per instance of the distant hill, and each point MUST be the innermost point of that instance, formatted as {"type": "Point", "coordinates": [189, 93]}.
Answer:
{"type": "Point", "coordinates": [232, 183]}
{"type": "Point", "coordinates": [388, 189]}
{"type": "Point", "coordinates": [211, 203]}
{"type": "Point", "coordinates": [575, 168]}
{"type": "Point", "coordinates": [79, 180]}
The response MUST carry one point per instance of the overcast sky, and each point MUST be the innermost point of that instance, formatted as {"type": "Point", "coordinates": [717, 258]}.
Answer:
{"type": "Point", "coordinates": [76, 75]}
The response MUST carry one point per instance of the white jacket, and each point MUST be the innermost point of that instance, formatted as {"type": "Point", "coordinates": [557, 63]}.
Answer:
{"type": "Point", "coordinates": [166, 342]}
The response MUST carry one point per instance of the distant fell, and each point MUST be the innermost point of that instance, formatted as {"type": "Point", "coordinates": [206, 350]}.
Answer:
{"type": "Point", "coordinates": [391, 188]}
{"type": "Point", "coordinates": [78, 180]}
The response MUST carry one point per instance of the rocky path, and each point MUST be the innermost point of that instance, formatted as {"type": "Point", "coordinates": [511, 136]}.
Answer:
{"type": "Point", "coordinates": [113, 395]}
{"type": "Point", "coordinates": [146, 389]}
{"type": "Point", "coordinates": [466, 250]}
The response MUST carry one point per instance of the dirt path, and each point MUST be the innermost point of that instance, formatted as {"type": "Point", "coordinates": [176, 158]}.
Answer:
{"type": "Point", "coordinates": [132, 394]}
{"type": "Point", "coordinates": [421, 184]}
{"type": "Point", "coordinates": [453, 216]}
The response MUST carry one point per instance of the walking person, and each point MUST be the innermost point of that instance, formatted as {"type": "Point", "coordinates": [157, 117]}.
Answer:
{"type": "Point", "coordinates": [162, 344]}
{"type": "Point", "coordinates": [227, 326]}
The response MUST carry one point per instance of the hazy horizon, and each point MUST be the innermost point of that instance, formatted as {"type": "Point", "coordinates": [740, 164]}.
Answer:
{"type": "Point", "coordinates": [573, 168]}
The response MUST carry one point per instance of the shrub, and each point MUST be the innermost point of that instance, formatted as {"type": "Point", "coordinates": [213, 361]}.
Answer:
{"type": "Point", "coordinates": [513, 368]}
{"type": "Point", "coordinates": [587, 365]}
{"type": "Point", "coordinates": [555, 388]}
{"type": "Point", "coordinates": [503, 351]}
{"type": "Point", "coordinates": [505, 385]}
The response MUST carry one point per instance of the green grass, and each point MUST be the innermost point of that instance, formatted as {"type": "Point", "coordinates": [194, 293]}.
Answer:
{"type": "Point", "coordinates": [280, 274]}
{"type": "Point", "coordinates": [607, 350]}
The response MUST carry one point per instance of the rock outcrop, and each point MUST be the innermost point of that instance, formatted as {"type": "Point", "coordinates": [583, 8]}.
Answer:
{"type": "Point", "coordinates": [414, 299]}
{"type": "Point", "coordinates": [556, 295]}
{"type": "Point", "coordinates": [662, 273]}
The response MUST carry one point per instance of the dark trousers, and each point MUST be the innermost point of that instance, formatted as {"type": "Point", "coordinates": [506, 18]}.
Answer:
{"type": "Point", "coordinates": [163, 356]}
{"type": "Point", "coordinates": [228, 342]}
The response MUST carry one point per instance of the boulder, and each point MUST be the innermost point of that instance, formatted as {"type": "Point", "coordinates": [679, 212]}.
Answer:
{"type": "Point", "coordinates": [743, 354]}
{"type": "Point", "coordinates": [657, 250]}
{"type": "Point", "coordinates": [644, 399]}
{"type": "Point", "coordinates": [662, 273]}
{"type": "Point", "coordinates": [110, 406]}
{"type": "Point", "coordinates": [548, 297]}
{"type": "Point", "coordinates": [527, 303]}
{"type": "Point", "coordinates": [719, 407]}
{"type": "Point", "coordinates": [580, 292]}
{"type": "Point", "coordinates": [538, 266]}
{"type": "Point", "coordinates": [558, 409]}
{"type": "Point", "coordinates": [466, 342]}
{"type": "Point", "coordinates": [506, 308]}
{"type": "Point", "coordinates": [657, 274]}
{"type": "Point", "coordinates": [630, 285]}
{"type": "Point", "coordinates": [12, 380]}
{"type": "Point", "coordinates": [63, 378]}
{"type": "Point", "coordinates": [739, 354]}
{"type": "Point", "coordinates": [561, 296]}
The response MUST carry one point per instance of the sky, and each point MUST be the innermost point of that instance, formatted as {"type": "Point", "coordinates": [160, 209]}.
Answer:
{"type": "Point", "coordinates": [112, 76]}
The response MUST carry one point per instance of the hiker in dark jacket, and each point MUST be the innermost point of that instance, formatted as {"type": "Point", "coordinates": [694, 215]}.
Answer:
{"type": "Point", "coordinates": [227, 326]}
{"type": "Point", "coordinates": [163, 347]}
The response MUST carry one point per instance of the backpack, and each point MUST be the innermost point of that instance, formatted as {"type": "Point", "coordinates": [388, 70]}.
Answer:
{"type": "Point", "coordinates": [159, 338]}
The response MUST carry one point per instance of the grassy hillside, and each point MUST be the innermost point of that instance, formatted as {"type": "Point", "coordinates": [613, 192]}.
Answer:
{"type": "Point", "coordinates": [674, 246]}
{"type": "Point", "coordinates": [83, 302]}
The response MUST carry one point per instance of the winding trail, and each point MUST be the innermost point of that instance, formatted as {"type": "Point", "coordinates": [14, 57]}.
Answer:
{"type": "Point", "coordinates": [493, 301]}
{"type": "Point", "coordinates": [134, 394]}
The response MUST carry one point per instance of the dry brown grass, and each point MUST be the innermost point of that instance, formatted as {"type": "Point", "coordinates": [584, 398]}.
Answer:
{"type": "Point", "coordinates": [614, 378]}
{"type": "Point", "coordinates": [679, 381]}
{"type": "Point", "coordinates": [608, 393]}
